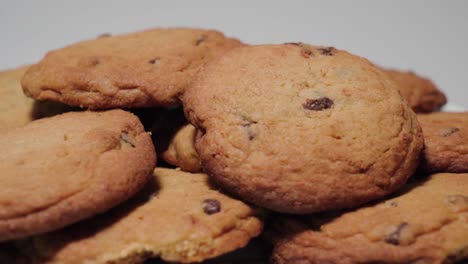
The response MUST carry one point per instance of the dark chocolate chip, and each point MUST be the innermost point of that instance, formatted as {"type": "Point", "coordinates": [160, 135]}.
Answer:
{"type": "Point", "coordinates": [104, 35]}
{"type": "Point", "coordinates": [154, 61]}
{"type": "Point", "coordinates": [124, 138]}
{"type": "Point", "coordinates": [394, 237]}
{"type": "Point", "coordinates": [318, 104]}
{"type": "Point", "coordinates": [211, 206]}
{"type": "Point", "coordinates": [450, 131]}
{"type": "Point", "coordinates": [200, 40]}
{"type": "Point", "coordinates": [306, 53]}
{"type": "Point", "coordinates": [329, 51]}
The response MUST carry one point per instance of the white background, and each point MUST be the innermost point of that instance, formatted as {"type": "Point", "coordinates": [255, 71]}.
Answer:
{"type": "Point", "coordinates": [429, 37]}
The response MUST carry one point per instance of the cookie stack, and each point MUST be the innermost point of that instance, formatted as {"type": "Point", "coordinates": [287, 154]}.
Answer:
{"type": "Point", "coordinates": [321, 145]}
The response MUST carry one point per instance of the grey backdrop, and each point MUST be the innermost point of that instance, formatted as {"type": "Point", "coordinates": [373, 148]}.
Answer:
{"type": "Point", "coordinates": [427, 36]}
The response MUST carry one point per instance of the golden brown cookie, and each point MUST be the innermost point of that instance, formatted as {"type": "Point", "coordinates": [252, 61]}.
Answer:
{"type": "Point", "coordinates": [143, 69]}
{"type": "Point", "coordinates": [181, 150]}
{"type": "Point", "coordinates": [427, 224]}
{"type": "Point", "coordinates": [298, 128]}
{"type": "Point", "coordinates": [445, 142]}
{"type": "Point", "coordinates": [178, 217]}
{"type": "Point", "coordinates": [421, 93]}
{"type": "Point", "coordinates": [16, 109]}
{"type": "Point", "coordinates": [59, 170]}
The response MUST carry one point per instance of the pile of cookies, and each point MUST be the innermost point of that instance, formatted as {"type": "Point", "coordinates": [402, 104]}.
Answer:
{"type": "Point", "coordinates": [324, 155]}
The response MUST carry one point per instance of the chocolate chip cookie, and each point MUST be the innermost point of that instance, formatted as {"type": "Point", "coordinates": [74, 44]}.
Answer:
{"type": "Point", "coordinates": [446, 142]}
{"type": "Point", "coordinates": [143, 69]}
{"type": "Point", "coordinates": [181, 150]}
{"type": "Point", "coordinates": [178, 217]}
{"type": "Point", "coordinates": [16, 109]}
{"type": "Point", "coordinates": [299, 129]}
{"type": "Point", "coordinates": [60, 170]}
{"type": "Point", "coordinates": [421, 93]}
{"type": "Point", "coordinates": [426, 224]}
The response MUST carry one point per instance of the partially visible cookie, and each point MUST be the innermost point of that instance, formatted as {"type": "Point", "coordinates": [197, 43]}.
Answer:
{"type": "Point", "coordinates": [60, 170]}
{"type": "Point", "coordinates": [298, 128]}
{"type": "Point", "coordinates": [446, 142]}
{"type": "Point", "coordinates": [421, 93]}
{"type": "Point", "coordinates": [181, 151]}
{"type": "Point", "coordinates": [143, 69]}
{"type": "Point", "coordinates": [178, 217]}
{"type": "Point", "coordinates": [16, 109]}
{"type": "Point", "coordinates": [427, 224]}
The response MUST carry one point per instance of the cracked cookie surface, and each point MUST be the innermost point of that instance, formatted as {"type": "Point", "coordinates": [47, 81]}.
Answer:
{"type": "Point", "coordinates": [426, 224]}
{"type": "Point", "coordinates": [178, 217]}
{"type": "Point", "coordinates": [143, 69]}
{"type": "Point", "coordinates": [422, 94]}
{"type": "Point", "coordinates": [59, 170]}
{"type": "Point", "coordinates": [445, 142]}
{"type": "Point", "coordinates": [297, 128]}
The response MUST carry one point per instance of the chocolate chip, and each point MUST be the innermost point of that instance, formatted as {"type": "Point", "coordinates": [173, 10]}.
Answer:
{"type": "Point", "coordinates": [104, 35]}
{"type": "Point", "coordinates": [200, 40]}
{"type": "Point", "coordinates": [124, 138]}
{"type": "Point", "coordinates": [306, 53]}
{"type": "Point", "coordinates": [329, 51]}
{"type": "Point", "coordinates": [450, 131]}
{"type": "Point", "coordinates": [211, 206]}
{"type": "Point", "coordinates": [155, 61]}
{"type": "Point", "coordinates": [318, 104]}
{"type": "Point", "coordinates": [293, 43]}
{"type": "Point", "coordinates": [394, 237]}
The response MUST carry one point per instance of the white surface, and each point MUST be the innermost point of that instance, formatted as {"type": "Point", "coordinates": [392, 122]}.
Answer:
{"type": "Point", "coordinates": [427, 36]}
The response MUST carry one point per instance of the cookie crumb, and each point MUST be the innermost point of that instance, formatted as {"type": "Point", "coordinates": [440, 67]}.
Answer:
{"type": "Point", "coordinates": [211, 206]}
{"type": "Point", "coordinates": [394, 237]}
{"type": "Point", "coordinates": [318, 104]}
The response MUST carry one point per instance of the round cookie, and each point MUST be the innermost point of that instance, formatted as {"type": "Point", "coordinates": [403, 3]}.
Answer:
{"type": "Point", "coordinates": [427, 224]}
{"type": "Point", "coordinates": [299, 129]}
{"type": "Point", "coordinates": [181, 150]}
{"type": "Point", "coordinates": [445, 142]}
{"type": "Point", "coordinates": [60, 170]}
{"type": "Point", "coordinates": [15, 108]}
{"type": "Point", "coordinates": [178, 217]}
{"type": "Point", "coordinates": [422, 94]}
{"type": "Point", "coordinates": [143, 69]}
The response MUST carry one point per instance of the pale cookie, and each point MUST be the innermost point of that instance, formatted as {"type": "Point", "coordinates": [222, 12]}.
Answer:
{"type": "Point", "coordinates": [143, 69]}
{"type": "Point", "coordinates": [445, 142]}
{"type": "Point", "coordinates": [426, 225]}
{"type": "Point", "coordinates": [421, 93]}
{"type": "Point", "coordinates": [179, 217]}
{"type": "Point", "coordinates": [181, 150]}
{"type": "Point", "coordinates": [60, 170]}
{"type": "Point", "coordinates": [297, 128]}
{"type": "Point", "coordinates": [16, 109]}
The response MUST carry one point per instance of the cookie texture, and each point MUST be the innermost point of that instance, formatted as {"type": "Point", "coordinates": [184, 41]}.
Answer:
{"type": "Point", "coordinates": [181, 150]}
{"type": "Point", "coordinates": [178, 217]}
{"type": "Point", "coordinates": [421, 93]}
{"type": "Point", "coordinates": [298, 128]}
{"type": "Point", "coordinates": [16, 109]}
{"type": "Point", "coordinates": [446, 142]}
{"type": "Point", "coordinates": [143, 69]}
{"type": "Point", "coordinates": [59, 170]}
{"type": "Point", "coordinates": [427, 224]}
